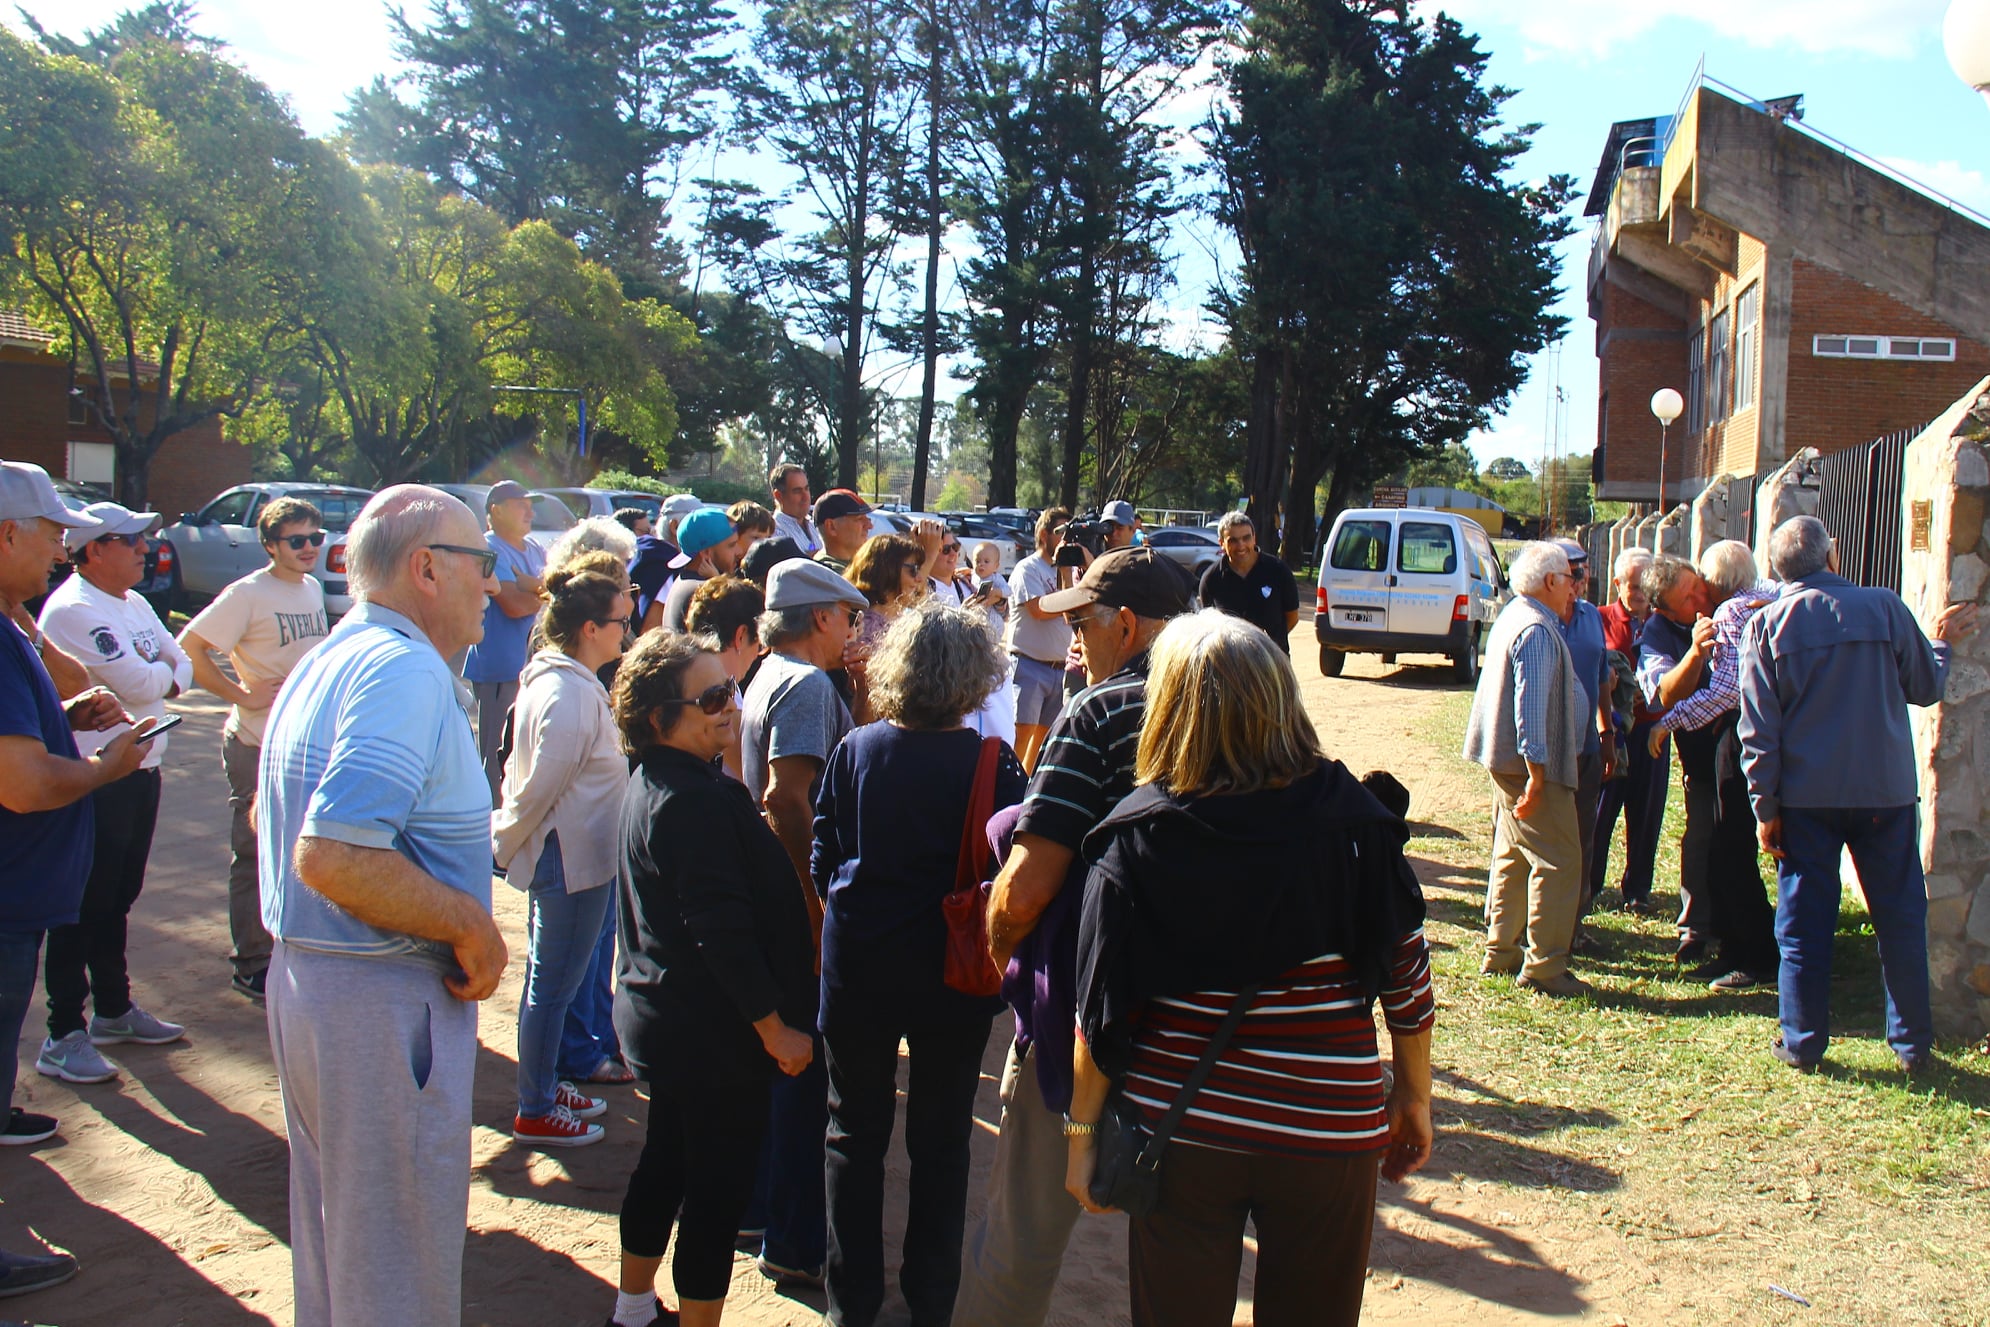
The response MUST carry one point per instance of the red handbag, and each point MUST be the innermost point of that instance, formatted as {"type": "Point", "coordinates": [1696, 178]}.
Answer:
{"type": "Point", "coordinates": [969, 969]}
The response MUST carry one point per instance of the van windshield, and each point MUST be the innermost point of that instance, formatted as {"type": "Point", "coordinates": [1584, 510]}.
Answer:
{"type": "Point", "coordinates": [1427, 549]}
{"type": "Point", "coordinates": [1362, 546]}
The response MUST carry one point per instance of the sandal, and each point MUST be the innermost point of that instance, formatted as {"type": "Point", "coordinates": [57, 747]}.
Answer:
{"type": "Point", "coordinates": [611, 1072]}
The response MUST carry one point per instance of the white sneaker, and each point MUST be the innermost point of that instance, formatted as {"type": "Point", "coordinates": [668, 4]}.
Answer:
{"type": "Point", "coordinates": [134, 1024]}
{"type": "Point", "coordinates": [74, 1060]}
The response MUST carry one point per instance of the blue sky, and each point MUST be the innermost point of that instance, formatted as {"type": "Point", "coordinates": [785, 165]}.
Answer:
{"type": "Point", "coordinates": [1871, 71]}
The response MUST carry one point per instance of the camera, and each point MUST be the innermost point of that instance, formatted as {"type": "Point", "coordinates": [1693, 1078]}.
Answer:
{"type": "Point", "coordinates": [1085, 532]}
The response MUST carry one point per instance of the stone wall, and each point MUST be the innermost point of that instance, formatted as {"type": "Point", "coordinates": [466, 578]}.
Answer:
{"type": "Point", "coordinates": [1788, 490]}
{"type": "Point", "coordinates": [1672, 532]}
{"type": "Point", "coordinates": [1945, 559]}
{"type": "Point", "coordinates": [1711, 515]}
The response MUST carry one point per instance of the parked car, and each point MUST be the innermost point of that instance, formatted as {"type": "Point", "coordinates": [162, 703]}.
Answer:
{"type": "Point", "coordinates": [1407, 580]}
{"type": "Point", "coordinates": [157, 587]}
{"type": "Point", "coordinates": [587, 502]}
{"type": "Point", "coordinates": [218, 544]}
{"type": "Point", "coordinates": [1190, 547]}
{"type": "Point", "coordinates": [551, 517]}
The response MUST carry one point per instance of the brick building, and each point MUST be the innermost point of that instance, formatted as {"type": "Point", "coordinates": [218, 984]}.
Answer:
{"type": "Point", "coordinates": [1795, 294]}
{"type": "Point", "coordinates": [41, 422]}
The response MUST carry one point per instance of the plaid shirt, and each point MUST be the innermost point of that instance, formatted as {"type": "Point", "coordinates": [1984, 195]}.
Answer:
{"type": "Point", "coordinates": [1722, 691]}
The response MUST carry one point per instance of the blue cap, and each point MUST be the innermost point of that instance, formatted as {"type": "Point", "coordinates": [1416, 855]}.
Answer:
{"type": "Point", "coordinates": [702, 529]}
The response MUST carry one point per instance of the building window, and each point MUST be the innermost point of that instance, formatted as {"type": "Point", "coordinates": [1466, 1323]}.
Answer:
{"type": "Point", "coordinates": [1849, 346]}
{"type": "Point", "coordinates": [79, 410]}
{"type": "Point", "coordinates": [1717, 365]}
{"type": "Point", "coordinates": [1747, 311]}
{"type": "Point", "coordinates": [1696, 384]}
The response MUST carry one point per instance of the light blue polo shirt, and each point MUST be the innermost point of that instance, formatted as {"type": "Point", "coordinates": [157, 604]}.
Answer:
{"type": "Point", "coordinates": [500, 655]}
{"type": "Point", "coordinates": [367, 745]}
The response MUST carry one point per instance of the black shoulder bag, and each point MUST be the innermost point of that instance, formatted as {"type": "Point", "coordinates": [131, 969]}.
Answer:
{"type": "Point", "coordinates": [1128, 1173]}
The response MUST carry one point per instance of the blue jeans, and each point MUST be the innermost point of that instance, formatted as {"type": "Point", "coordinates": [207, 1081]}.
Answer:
{"type": "Point", "coordinates": [19, 953]}
{"type": "Point", "coordinates": [1883, 848]}
{"type": "Point", "coordinates": [588, 1035]}
{"type": "Point", "coordinates": [564, 928]}
{"type": "Point", "coordinates": [789, 1199]}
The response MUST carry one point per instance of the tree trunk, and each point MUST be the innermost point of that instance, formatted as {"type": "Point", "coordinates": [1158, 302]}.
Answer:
{"type": "Point", "coordinates": [929, 328]}
{"type": "Point", "coordinates": [1078, 402]}
{"type": "Point", "coordinates": [1265, 461]}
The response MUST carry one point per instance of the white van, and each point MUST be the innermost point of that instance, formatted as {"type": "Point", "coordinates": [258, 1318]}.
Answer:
{"type": "Point", "coordinates": [1407, 580]}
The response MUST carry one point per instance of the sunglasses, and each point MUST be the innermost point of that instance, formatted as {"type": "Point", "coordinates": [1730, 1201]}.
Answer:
{"type": "Point", "coordinates": [128, 540]}
{"type": "Point", "coordinates": [856, 617]}
{"type": "Point", "coordinates": [950, 548]}
{"type": "Point", "coordinates": [914, 568]}
{"type": "Point", "coordinates": [298, 541]}
{"type": "Point", "coordinates": [486, 560]}
{"type": "Point", "coordinates": [713, 699]}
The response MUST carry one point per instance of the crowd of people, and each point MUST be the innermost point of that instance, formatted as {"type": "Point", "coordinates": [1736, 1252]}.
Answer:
{"type": "Point", "coordinates": [785, 795]}
{"type": "Point", "coordinates": [1787, 698]}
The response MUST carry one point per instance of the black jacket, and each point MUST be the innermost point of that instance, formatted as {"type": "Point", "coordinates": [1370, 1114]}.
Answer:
{"type": "Point", "coordinates": [1223, 893]}
{"type": "Point", "coordinates": [715, 934]}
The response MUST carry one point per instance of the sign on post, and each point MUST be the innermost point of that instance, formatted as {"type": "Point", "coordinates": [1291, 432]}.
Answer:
{"type": "Point", "coordinates": [1391, 495]}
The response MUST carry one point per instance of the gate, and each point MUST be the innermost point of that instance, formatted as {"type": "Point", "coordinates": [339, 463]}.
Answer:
{"type": "Point", "coordinates": [1859, 502]}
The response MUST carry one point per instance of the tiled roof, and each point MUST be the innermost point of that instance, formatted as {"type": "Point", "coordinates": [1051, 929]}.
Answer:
{"type": "Point", "coordinates": [14, 326]}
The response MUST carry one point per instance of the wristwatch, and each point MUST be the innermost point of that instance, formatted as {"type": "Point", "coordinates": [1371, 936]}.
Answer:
{"type": "Point", "coordinates": [1073, 1129]}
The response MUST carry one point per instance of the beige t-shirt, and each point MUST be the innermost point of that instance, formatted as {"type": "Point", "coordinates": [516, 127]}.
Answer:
{"type": "Point", "coordinates": [264, 625]}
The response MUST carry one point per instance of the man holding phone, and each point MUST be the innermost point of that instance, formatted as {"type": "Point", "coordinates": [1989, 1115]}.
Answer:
{"type": "Point", "coordinates": [94, 617]}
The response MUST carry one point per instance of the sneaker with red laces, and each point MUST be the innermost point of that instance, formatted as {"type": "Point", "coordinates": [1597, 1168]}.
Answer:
{"type": "Point", "coordinates": [558, 1128]}
{"type": "Point", "coordinates": [581, 1105]}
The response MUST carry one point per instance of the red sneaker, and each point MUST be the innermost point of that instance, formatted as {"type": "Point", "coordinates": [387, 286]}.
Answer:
{"type": "Point", "coordinates": [579, 1103]}
{"type": "Point", "coordinates": [557, 1129]}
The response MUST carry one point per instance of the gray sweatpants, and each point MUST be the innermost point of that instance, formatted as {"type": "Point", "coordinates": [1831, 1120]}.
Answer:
{"type": "Point", "coordinates": [1014, 1254]}
{"type": "Point", "coordinates": [493, 703]}
{"type": "Point", "coordinates": [377, 1061]}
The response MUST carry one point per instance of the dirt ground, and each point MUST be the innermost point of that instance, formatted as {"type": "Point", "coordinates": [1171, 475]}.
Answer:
{"type": "Point", "coordinates": [170, 1182]}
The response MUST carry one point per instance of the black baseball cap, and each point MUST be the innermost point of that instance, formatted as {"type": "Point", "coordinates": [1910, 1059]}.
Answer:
{"type": "Point", "coordinates": [766, 555]}
{"type": "Point", "coordinates": [1139, 579]}
{"type": "Point", "coordinates": [839, 502]}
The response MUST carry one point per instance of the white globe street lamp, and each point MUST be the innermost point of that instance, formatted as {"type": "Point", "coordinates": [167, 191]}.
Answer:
{"type": "Point", "coordinates": [1666, 404]}
{"type": "Point", "coordinates": [1966, 39]}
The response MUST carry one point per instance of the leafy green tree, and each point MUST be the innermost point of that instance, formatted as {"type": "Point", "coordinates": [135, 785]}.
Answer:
{"type": "Point", "coordinates": [581, 113]}
{"type": "Point", "coordinates": [147, 188]}
{"type": "Point", "coordinates": [1393, 277]}
{"type": "Point", "coordinates": [1453, 467]}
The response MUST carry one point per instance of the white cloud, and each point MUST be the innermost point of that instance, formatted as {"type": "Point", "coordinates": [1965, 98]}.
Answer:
{"type": "Point", "coordinates": [1890, 29]}
{"type": "Point", "coordinates": [1965, 184]}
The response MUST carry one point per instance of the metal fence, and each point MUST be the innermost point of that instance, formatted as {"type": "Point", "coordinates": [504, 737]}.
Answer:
{"type": "Point", "coordinates": [1859, 500]}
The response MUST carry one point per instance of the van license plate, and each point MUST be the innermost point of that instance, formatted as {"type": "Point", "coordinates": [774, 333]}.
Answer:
{"type": "Point", "coordinates": [1361, 616]}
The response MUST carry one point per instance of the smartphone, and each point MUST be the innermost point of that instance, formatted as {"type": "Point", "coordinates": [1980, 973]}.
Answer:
{"type": "Point", "coordinates": [167, 724]}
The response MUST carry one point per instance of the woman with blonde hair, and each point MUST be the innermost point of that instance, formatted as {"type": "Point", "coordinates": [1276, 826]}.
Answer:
{"type": "Point", "coordinates": [553, 833]}
{"type": "Point", "coordinates": [1246, 906]}
{"type": "Point", "coordinates": [890, 819]}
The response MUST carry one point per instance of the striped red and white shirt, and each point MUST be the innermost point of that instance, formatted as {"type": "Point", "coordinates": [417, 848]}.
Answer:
{"type": "Point", "coordinates": [1301, 1076]}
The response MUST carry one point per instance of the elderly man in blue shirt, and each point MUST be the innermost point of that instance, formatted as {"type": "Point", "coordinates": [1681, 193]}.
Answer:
{"type": "Point", "coordinates": [1526, 729]}
{"type": "Point", "coordinates": [374, 823]}
{"type": "Point", "coordinates": [1827, 674]}
{"type": "Point", "coordinates": [1582, 632]}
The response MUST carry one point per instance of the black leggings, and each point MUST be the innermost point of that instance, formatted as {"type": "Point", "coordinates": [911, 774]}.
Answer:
{"type": "Point", "coordinates": [87, 958]}
{"type": "Point", "coordinates": [701, 1155]}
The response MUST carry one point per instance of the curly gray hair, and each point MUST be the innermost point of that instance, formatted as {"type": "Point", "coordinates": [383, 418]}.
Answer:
{"type": "Point", "coordinates": [603, 533]}
{"type": "Point", "coordinates": [1728, 566]}
{"type": "Point", "coordinates": [935, 665]}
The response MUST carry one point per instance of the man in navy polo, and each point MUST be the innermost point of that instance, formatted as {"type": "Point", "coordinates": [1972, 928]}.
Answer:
{"type": "Point", "coordinates": [46, 822]}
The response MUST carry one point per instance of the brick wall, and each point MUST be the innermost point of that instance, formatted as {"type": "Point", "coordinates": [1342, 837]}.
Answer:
{"type": "Point", "coordinates": [1639, 348]}
{"type": "Point", "coordinates": [1837, 403]}
{"type": "Point", "coordinates": [190, 467]}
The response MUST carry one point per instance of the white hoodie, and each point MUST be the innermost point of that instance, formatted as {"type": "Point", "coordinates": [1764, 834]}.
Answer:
{"type": "Point", "coordinates": [566, 773]}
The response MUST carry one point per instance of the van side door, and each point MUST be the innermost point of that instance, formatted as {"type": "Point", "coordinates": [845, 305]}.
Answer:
{"type": "Point", "coordinates": [1355, 576]}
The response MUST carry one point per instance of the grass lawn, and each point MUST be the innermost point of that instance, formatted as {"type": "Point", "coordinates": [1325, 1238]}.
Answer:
{"type": "Point", "coordinates": [1654, 1111]}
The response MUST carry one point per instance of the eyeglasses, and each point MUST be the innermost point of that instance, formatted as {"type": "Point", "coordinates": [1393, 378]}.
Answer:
{"type": "Point", "coordinates": [712, 700]}
{"type": "Point", "coordinates": [487, 560]}
{"type": "Point", "coordinates": [1080, 620]}
{"type": "Point", "coordinates": [128, 540]}
{"type": "Point", "coordinates": [856, 617]}
{"type": "Point", "coordinates": [298, 541]}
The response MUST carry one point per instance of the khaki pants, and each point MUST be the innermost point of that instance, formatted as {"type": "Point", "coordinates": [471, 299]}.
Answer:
{"type": "Point", "coordinates": [1014, 1254]}
{"type": "Point", "coordinates": [1534, 890]}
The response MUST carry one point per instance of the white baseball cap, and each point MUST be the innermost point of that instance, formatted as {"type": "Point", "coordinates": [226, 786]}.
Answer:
{"type": "Point", "coordinates": [679, 505]}
{"type": "Point", "coordinates": [26, 492]}
{"type": "Point", "coordinates": [111, 519]}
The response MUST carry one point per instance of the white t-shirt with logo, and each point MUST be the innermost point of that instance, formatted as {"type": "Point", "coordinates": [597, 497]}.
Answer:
{"type": "Point", "coordinates": [264, 624]}
{"type": "Point", "coordinates": [125, 647]}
